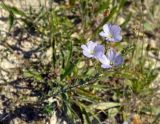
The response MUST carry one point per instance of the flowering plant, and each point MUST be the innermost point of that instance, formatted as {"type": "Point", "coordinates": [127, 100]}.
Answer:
{"type": "Point", "coordinates": [111, 33]}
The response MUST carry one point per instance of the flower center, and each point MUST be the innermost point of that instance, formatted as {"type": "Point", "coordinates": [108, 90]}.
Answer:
{"type": "Point", "coordinates": [111, 63]}
{"type": "Point", "coordinates": [110, 36]}
{"type": "Point", "coordinates": [92, 52]}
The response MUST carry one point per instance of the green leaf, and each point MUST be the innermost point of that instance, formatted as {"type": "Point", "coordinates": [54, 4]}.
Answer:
{"type": "Point", "coordinates": [11, 20]}
{"type": "Point", "coordinates": [103, 6]}
{"type": "Point", "coordinates": [86, 116]}
{"type": "Point", "coordinates": [14, 10]}
{"type": "Point", "coordinates": [104, 105]}
{"type": "Point", "coordinates": [90, 71]}
{"type": "Point", "coordinates": [106, 19]}
{"type": "Point", "coordinates": [128, 49]}
{"type": "Point", "coordinates": [48, 109]}
{"type": "Point", "coordinates": [71, 115]}
{"type": "Point", "coordinates": [87, 95]}
{"type": "Point", "coordinates": [122, 2]}
{"type": "Point", "coordinates": [112, 112]}
{"type": "Point", "coordinates": [126, 20]}
{"type": "Point", "coordinates": [157, 119]}
{"type": "Point", "coordinates": [68, 70]}
{"type": "Point", "coordinates": [69, 48]}
{"type": "Point", "coordinates": [89, 113]}
{"type": "Point", "coordinates": [72, 2]}
{"type": "Point", "coordinates": [4, 6]}
{"type": "Point", "coordinates": [148, 26]}
{"type": "Point", "coordinates": [17, 11]}
{"type": "Point", "coordinates": [33, 74]}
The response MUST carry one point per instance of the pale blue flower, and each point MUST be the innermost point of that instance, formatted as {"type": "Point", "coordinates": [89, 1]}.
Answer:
{"type": "Point", "coordinates": [93, 50]}
{"type": "Point", "coordinates": [111, 33]}
{"type": "Point", "coordinates": [112, 59]}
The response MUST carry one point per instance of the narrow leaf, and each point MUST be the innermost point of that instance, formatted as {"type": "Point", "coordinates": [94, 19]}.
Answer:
{"type": "Point", "coordinates": [11, 20]}
{"type": "Point", "coordinates": [33, 74]}
{"type": "Point", "coordinates": [104, 105]}
{"type": "Point", "coordinates": [68, 70]}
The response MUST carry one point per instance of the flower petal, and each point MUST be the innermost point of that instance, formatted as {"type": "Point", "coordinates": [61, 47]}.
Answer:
{"type": "Point", "coordinates": [102, 33]}
{"type": "Point", "coordinates": [91, 45]}
{"type": "Point", "coordinates": [103, 59]}
{"type": "Point", "coordinates": [115, 29]}
{"type": "Point", "coordinates": [111, 54]}
{"type": "Point", "coordinates": [106, 66]}
{"type": "Point", "coordinates": [87, 54]}
{"type": "Point", "coordinates": [116, 33]}
{"type": "Point", "coordinates": [118, 38]}
{"type": "Point", "coordinates": [105, 62]}
{"type": "Point", "coordinates": [118, 60]}
{"type": "Point", "coordinates": [106, 28]}
{"type": "Point", "coordinates": [99, 51]}
{"type": "Point", "coordinates": [111, 33]}
{"type": "Point", "coordinates": [84, 47]}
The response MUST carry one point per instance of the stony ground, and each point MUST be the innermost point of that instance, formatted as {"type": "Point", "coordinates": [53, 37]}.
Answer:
{"type": "Point", "coordinates": [15, 94]}
{"type": "Point", "coordinates": [16, 101]}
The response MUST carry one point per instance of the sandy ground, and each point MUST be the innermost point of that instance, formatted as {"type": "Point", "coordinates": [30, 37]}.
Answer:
{"type": "Point", "coordinates": [16, 102]}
